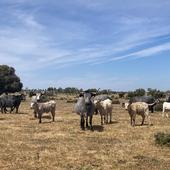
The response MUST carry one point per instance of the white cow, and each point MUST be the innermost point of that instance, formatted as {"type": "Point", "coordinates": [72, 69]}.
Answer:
{"type": "Point", "coordinates": [126, 105]}
{"type": "Point", "coordinates": [166, 106]}
{"type": "Point", "coordinates": [105, 109]}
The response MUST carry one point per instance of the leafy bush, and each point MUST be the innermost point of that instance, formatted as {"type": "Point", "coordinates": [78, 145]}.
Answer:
{"type": "Point", "coordinates": [162, 139]}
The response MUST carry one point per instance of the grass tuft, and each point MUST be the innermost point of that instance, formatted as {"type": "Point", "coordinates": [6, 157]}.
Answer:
{"type": "Point", "coordinates": [162, 139]}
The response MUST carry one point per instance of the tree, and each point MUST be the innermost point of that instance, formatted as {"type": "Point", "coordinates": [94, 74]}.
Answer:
{"type": "Point", "coordinates": [156, 93]}
{"type": "Point", "coordinates": [121, 94]}
{"type": "Point", "coordinates": [71, 90]}
{"type": "Point", "coordinates": [131, 94]}
{"type": "Point", "coordinates": [9, 81]}
{"type": "Point", "coordinates": [60, 90]}
{"type": "Point", "coordinates": [139, 92]}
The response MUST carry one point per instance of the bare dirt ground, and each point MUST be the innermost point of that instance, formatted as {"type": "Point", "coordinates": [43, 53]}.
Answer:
{"type": "Point", "coordinates": [27, 145]}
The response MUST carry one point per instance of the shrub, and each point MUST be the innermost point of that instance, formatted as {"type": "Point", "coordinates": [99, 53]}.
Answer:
{"type": "Point", "coordinates": [162, 139]}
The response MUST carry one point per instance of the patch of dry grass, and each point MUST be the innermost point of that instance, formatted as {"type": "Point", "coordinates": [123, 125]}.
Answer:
{"type": "Point", "coordinates": [25, 144]}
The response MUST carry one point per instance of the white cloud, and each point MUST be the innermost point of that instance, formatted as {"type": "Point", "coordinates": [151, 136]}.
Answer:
{"type": "Point", "coordinates": [148, 52]}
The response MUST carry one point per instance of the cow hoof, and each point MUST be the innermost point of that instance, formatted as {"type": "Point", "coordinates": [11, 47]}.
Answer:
{"type": "Point", "coordinates": [83, 129]}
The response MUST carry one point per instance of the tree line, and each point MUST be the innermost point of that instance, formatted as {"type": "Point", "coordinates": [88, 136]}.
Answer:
{"type": "Point", "coordinates": [10, 83]}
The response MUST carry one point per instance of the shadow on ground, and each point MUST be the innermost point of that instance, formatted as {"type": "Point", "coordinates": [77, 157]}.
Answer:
{"type": "Point", "coordinates": [98, 128]}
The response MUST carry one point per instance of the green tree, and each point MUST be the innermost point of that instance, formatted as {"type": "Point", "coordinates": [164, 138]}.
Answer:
{"type": "Point", "coordinates": [131, 94]}
{"type": "Point", "coordinates": [9, 81]}
{"type": "Point", "coordinates": [139, 92]}
{"type": "Point", "coordinates": [121, 94]}
{"type": "Point", "coordinates": [60, 90]}
{"type": "Point", "coordinates": [156, 93]}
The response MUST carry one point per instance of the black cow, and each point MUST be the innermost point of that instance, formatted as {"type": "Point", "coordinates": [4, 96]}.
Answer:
{"type": "Point", "coordinates": [146, 99]}
{"type": "Point", "coordinates": [10, 101]}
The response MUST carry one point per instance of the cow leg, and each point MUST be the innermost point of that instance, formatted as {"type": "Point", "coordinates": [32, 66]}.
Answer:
{"type": "Point", "coordinates": [35, 114]}
{"type": "Point", "coordinates": [53, 115]}
{"type": "Point", "coordinates": [149, 120]}
{"type": "Point", "coordinates": [39, 116]}
{"type": "Point", "coordinates": [87, 125]}
{"type": "Point", "coordinates": [110, 117]}
{"type": "Point", "coordinates": [5, 110]}
{"type": "Point", "coordinates": [2, 110]}
{"type": "Point", "coordinates": [101, 119]}
{"type": "Point", "coordinates": [96, 111]}
{"type": "Point", "coordinates": [143, 119]}
{"type": "Point", "coordinates": [17, 109]}
{"type": "Point", "coordinates": [82, 122]}
{"type": "Point", "coordinates": [12, 108]}
{"type": "Point", "coordinates": [107, 116]}
{"type": "Point", "coordinates": [133, 120]}
{"type": "Point", "coordinates": [163, 112]}
{"type": "Point", "coordinates": [151, 109]}
{"type": "Point", "coordinates": [91, 126]}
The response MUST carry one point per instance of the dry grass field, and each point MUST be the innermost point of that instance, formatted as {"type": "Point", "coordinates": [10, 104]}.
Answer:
{"type": "Point", "coordinates": [27, 145]}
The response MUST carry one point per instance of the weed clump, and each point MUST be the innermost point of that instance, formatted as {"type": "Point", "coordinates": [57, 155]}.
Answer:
{"type": "Point", "coordinates": [162, 139]}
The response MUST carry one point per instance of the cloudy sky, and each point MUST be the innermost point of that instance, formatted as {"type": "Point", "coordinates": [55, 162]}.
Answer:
{"type": "Point", "coordinates": [112, 44]}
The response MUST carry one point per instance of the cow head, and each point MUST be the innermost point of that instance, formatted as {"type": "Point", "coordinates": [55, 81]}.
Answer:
{"type": "Point", "coordinates": [33, 102]}
{"type": "Point", "coordinates": [87, 96]}
{"type": "Point", "coordinates": [38, 96]}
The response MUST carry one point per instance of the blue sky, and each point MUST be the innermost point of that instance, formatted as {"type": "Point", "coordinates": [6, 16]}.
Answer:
{"type": "Point", "coordinates": [111, 44]}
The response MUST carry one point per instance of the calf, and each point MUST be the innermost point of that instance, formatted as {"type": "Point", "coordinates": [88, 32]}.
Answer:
{"type": "Point", "coordinates": [105, 109]}
{"type": "Point", "coordinates": [40, 108]}
{"type": "Point", "coordinates": [101, 97]}
{"type": "Point", "coordinates": [125, 105]}
{"type": "Point", "coordinates": [166, 106]}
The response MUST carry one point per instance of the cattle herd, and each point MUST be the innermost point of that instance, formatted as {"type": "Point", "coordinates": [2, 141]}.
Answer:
{"type": "Point", "coordinates": [87, 105]}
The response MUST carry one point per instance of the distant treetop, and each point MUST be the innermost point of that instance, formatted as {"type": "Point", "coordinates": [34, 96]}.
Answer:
{"type": "Point", "coordinates": [9, 81]}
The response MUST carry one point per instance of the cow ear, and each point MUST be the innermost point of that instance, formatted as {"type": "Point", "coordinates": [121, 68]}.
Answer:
{"type": "Point", "coordinates": [81, 94]}
{"type": "Point", "coordinates": [93, 94]}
